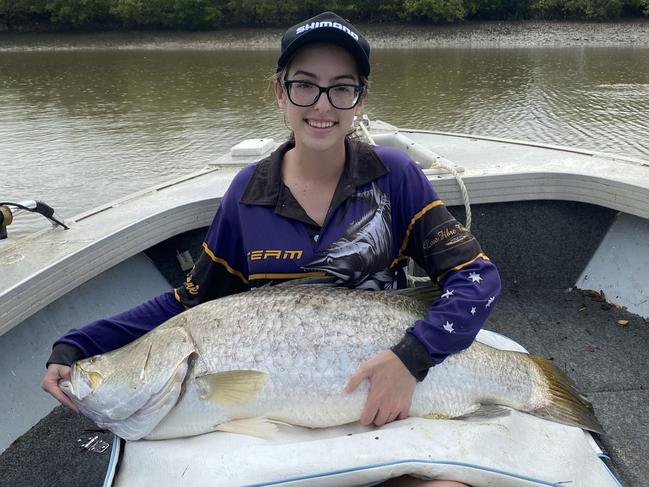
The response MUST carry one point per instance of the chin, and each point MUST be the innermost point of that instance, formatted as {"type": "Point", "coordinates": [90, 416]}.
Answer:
{"type": "Point", "coordinates": [321, 143]}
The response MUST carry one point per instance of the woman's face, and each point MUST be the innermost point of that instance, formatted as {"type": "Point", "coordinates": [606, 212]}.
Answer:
{"type": "Point", "coordinates": [320, 127]}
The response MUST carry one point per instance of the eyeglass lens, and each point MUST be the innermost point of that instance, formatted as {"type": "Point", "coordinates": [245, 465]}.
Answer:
{"type": "Point", "coordinates": [305, 94]}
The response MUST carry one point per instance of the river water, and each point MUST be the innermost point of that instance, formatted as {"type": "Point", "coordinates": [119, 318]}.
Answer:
{"type": "Point", "coordinates": [79, 128]}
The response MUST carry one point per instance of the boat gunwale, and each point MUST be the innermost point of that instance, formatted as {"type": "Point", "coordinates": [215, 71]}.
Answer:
{"type": "Point", "coordinates": [90, 254]}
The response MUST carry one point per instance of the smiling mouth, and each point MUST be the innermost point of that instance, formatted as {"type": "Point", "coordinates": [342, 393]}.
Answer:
{"type": "Point", "coordinates": [320, 124]}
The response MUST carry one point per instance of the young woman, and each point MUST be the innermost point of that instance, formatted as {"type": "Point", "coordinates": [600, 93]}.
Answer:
{"type": "Point", "coordinates": [322, 203]}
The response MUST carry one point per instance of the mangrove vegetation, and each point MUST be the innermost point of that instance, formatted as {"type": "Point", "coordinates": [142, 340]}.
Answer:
{"type": "Point", "coordinates": [20, 15]}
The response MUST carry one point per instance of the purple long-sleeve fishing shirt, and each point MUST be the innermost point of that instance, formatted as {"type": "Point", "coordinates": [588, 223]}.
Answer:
{"type": "Point", "coordinates": [383, 211]}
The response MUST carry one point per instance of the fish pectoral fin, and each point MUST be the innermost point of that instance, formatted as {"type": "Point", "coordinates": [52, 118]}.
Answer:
{"type": "Point", "coordinates": [232, 388]}
{"type": "Point", "coordinates": [260, 427]}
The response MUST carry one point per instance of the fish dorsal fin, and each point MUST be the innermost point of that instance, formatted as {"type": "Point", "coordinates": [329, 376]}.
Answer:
{"type": "Point", "coordinates": [233, 387]}
{"type": "Point", "coordinates": [260, 427]}
{"type": "Point", "coordinates": [425, 294]}
{"type": "Point", "coordinates": [375, 198]}
{"type": "Point", "coordinates": [321, 280]}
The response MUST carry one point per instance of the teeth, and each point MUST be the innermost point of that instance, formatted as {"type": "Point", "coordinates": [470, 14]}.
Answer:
{"type": "Point", "coordinates": [320, 125]}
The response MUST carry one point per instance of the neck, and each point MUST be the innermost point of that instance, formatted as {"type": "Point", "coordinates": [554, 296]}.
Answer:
{"type": "Point", "coordinates": [316, 165]}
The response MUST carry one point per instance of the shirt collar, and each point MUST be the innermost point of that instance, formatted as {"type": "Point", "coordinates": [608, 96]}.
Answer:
{"type": "Point", "coordinates": [265, 187]}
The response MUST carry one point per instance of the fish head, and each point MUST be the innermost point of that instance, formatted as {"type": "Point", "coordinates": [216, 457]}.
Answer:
{"type": "Point", "coordinates": [343, 262]}
{"type": "Point", "coordinates": [129, 390]}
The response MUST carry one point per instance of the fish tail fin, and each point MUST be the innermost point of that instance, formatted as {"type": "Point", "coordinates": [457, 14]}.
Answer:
{"type": "Point", "coordinates": [567, 405]}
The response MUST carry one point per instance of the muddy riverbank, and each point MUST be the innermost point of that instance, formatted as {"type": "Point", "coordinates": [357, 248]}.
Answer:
{"type": "Point", "coordinates": [470, 34]}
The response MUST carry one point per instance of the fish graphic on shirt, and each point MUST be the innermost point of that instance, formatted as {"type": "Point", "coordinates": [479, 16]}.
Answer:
{"type": "Point", "coordinates": [363, 252]}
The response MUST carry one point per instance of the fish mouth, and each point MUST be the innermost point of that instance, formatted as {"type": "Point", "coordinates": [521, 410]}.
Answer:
{"type": "Point", "coordinates": [343, 267]}
{"type": "Point", "coordinates": [333, 271]}
{"type": "Point", "coordinates": [131, 389]}
{"type": "Point", "coordinates": [144, 419]}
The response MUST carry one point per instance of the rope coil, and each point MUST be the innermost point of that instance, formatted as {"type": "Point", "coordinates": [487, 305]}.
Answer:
{"type": "Point", "coordinates": [434, 163]}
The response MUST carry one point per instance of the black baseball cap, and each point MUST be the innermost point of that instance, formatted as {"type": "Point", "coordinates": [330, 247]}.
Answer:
{"type": "Point", "coordinates": [329, 28]}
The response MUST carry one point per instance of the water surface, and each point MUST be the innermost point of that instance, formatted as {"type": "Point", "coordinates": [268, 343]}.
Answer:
{"type": "Point", "coordinates": [80, 128]}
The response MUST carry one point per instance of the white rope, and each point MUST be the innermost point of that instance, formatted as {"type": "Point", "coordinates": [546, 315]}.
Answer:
{"type": "Point", "coordinates": [433, 163]}
{"type": "Point", "coordinates": [365, 131]}
{"type": "Point", "coordinates": [463, 190]}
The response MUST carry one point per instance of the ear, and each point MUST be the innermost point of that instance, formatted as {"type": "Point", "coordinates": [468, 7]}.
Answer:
{"type": "Point", "coordinates": [280, 95]}
{"type": "Point", "coordinates": [358, 109]}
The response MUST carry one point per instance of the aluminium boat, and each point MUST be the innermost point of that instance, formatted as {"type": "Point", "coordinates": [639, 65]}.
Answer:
{"type": "Point", "coordinates": [567, 228]}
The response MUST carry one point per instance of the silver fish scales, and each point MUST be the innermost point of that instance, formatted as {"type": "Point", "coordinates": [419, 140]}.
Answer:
{"type": "Point", "coordinates": [283, 354]}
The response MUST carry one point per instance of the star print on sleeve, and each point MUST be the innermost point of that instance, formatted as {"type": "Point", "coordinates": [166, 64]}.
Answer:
{"type": "Point", "coordinates": [447, 294]}
{"type": "Point", "coordinates": [453, 320]}
{"type": "Point", "coordinates": [475, 277]}
{"type": "Point", "coordinates": [449, 327]}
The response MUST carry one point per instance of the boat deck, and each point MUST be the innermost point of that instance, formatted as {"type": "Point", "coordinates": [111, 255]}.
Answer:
{"type": "Point", "coordinates": [578, 332]}
{"type": "Point", "coordinates": [539, 212]}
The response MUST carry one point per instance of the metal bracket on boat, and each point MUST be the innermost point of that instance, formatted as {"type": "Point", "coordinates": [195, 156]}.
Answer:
{"type": "Point", "coordinates": [93, 444]}
{"type": "Point", "coordinates": [430, 162]}
{"type": "Point", "coordinates": [185, 260]}
{"type": "Point", "coordinates": [6, 217]}
{"type": "Point", "coordinates": [9, 210]}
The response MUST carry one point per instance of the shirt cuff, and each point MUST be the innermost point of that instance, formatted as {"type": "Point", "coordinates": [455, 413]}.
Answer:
{"type": "Point", "coordinates": [65, 354]}
{"type": "Point", "coordinates": [414, 356]}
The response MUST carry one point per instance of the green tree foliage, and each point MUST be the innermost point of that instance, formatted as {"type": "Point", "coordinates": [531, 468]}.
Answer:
{"type": "Point", "coordinates": [15, 14]}
{"type": "Point", "coordinates": [580, 9]}
{"type": "Point", "coordinates": [498, 9]}
{"type": "Point", "coordinates": [169, 14]}
{"type": "Point", "coordinates": [435, 10]}
{"type": "Point", "coordinates": [635, 8]}
{"type": "Point", "coordinates": [78, 13]}
{"type": "Point", "coordinates": [265, 12]}
{"type": "Point", "coordinates": [212, 14]}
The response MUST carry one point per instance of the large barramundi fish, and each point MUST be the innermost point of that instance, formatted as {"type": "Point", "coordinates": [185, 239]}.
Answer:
{"type": "Point", "coordinates": [283, 354]}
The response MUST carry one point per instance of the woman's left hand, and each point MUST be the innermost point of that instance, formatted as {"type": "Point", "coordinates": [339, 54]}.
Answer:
{"type": "Point", "coordinates": [391, 388]}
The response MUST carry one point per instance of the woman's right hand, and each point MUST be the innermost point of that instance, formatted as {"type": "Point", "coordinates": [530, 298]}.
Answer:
{"type": "Point", "coordinates": [50, 383]}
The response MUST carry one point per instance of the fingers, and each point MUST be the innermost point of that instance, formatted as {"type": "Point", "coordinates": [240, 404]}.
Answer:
{"type": "Point", "coordinates": [60, 396]}
{"type": "Point", "coordinates": [380, 410]}
{"type": "Point", "coordinates": [393, 416]}
{"type": "Point", "coordinates": [64, 372]}
{"type": "Point", "coordinates": [50, 384]}
{"type": "Point", "coordinates": [382, 417]}
{"type": "Point", "coordinates": [355, 380]}
{"type": "Point", "coordinates": [369, 413]}
{"type": "Point", "coordinates": [391, 387]}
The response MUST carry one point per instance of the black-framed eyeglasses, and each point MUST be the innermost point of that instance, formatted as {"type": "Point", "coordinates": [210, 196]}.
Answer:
{"type": "Point", "coordinates": [305, 94]}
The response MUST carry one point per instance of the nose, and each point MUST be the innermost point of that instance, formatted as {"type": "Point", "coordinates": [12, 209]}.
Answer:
{"type": "Point", "coordinates": [323, 104]}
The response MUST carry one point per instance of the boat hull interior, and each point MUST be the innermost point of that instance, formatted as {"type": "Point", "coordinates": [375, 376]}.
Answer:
{"type": "Point", "coordinates": [543, 249]}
